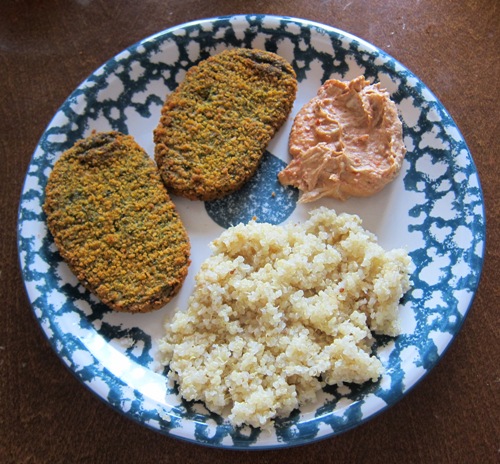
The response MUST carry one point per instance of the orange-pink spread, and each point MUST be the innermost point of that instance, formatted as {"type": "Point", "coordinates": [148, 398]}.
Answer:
{"type": "Point", "coordinates": [347, 141]}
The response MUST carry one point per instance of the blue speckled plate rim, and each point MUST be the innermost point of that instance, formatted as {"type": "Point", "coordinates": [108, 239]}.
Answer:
{"type": "Point", "coordinates": [300, 441]}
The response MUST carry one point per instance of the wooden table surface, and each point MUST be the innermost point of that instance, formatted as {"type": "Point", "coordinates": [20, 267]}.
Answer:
{"type": "Point", "coordinates": [47, 47]}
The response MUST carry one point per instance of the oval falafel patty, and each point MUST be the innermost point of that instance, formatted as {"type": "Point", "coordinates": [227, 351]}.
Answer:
{"type": "Point", "coordinates": [217, 124]}
{"type": "Point", "coordinates": [115, 225]}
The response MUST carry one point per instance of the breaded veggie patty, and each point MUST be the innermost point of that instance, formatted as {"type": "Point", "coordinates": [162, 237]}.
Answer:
{"type": "Point", "coordinates": [115, 225]}
{"type": "Point", "coordinates": [216, 125]}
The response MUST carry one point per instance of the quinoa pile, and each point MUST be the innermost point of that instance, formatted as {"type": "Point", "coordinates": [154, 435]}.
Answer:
{"type": "Point", "coordinates": [278, 312]}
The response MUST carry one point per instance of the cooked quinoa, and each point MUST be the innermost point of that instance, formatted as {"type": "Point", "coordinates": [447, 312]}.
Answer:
{"type": "Point", "coordinates": [278, 312]}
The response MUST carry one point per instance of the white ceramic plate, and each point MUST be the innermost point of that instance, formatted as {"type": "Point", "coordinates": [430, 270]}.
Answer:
{"type": "Point", "coordinates": [434, 209]}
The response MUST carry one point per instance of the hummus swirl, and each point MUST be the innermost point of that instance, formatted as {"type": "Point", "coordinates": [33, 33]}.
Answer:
{"type": "Point", "coordinates": [347, 141]}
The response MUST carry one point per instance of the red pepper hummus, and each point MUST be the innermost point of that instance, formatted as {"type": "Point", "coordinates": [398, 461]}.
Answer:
{"type": "Point", "coordinates": [347, 141]}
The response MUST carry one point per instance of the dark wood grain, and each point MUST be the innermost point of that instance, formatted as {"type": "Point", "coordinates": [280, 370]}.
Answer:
{"type": "Point", "coordinates": [48, 47]}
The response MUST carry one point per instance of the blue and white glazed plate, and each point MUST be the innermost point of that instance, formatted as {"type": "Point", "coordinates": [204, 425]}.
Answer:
{"type": "Point", "coordinates": [434, 209]}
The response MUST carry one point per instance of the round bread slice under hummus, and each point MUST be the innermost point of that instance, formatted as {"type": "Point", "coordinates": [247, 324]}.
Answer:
{"type": "Point", "coordinates": [347, 141]}
{"type": "Point", "coordinates": [115, 225]}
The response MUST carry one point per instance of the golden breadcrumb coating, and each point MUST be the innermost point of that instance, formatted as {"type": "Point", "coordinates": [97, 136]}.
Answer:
{"type": "Point", "coordinates": [216, 125]}
{"type": "Point", "coordinates": [115, 225]}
